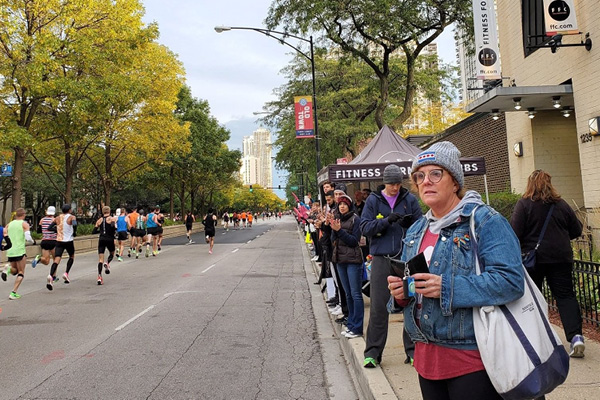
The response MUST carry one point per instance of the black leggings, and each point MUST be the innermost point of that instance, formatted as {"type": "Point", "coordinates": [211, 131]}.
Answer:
{"type": "Point", "coordinates": [475, 386]}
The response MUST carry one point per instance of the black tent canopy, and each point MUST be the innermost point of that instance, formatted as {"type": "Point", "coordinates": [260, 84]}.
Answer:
{"type": "Point", "coordinates": [387, 147]}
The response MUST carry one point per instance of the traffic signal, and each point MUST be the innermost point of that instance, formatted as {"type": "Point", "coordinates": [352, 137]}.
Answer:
{"type": "Point", "coordinates": [250, 188]}
{"type": "Point", "coordinates": [279, 187]}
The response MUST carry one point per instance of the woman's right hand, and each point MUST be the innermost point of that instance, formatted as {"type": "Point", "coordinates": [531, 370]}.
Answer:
{"type": "Point", "coordinates": [396, 287]}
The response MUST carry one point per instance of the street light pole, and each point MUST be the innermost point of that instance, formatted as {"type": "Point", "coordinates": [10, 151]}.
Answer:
{"type": "Point", "coordinates": [280, 36]}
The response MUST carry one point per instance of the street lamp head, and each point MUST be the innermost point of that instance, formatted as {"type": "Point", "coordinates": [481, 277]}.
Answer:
{"type": "Point", "coordinates": [221, 28]}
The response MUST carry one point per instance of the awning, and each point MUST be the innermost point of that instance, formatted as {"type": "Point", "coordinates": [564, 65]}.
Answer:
{"type": "Point", "coordinates": [502, 99]}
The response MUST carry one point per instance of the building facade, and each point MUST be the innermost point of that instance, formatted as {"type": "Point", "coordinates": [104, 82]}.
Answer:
{"type": "Point", "coordinates": [256, 159]}
{"type": "Point", "coordinates": [553, 100]}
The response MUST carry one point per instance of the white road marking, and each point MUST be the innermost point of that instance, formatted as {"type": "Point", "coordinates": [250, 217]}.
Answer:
{"type": "Point", "coordinates": [208, 268]}
{"type": "Point", "coordinates": [134, 318]}
{"type": "Point", "coordinates": [233, 251]}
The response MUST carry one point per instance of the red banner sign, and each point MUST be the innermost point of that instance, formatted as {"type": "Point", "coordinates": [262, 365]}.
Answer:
{"type": "Point", "coordinates": [304, 117]}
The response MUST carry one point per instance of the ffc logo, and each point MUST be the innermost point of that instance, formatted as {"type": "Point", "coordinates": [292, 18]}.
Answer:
{"type": "Point", "coordinates": [487, 57]}
{"type": "Point", "coordinates": [559, 10]}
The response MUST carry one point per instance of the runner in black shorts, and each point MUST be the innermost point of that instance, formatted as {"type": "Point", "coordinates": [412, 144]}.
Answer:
{"type": "Point", "coordinates": [210, 223]}
{"type": "Point", "coordinates": [189, 221]}
{"type": "Point", "coordinates": [66, 228]}
{"type": "Point", "coordinates": [48, 238]}
{"type": "Point", "coordinates": [107, 226]}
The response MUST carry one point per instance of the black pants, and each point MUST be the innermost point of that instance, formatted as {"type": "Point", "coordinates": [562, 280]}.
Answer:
{"type": "Point", "coordinates": [559, 277]}
{"type": "Point", "coordinates": [377, 330]}
{"type": "Point", "coordinates": [476, 386]}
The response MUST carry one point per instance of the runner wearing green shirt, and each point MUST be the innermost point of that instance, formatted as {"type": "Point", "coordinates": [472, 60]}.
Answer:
{"type": "Point", "coordinates": [18, 232]}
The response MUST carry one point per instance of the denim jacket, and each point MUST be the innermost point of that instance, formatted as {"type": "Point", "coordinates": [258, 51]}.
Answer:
{"type": "Point", "coordinates": [448, 320]}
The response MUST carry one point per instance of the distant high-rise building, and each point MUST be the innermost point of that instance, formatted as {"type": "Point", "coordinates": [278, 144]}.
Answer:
{"type": "Point", "coordinates": [256, 160]}
{"type": "Point", "coordinates": [470, 87]}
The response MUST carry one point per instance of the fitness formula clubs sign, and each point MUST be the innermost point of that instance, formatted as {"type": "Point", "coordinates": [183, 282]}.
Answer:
{"type": "Point", "coordinates": [486, 40]}
{"type": "Point", "coordinates": [559, 16]}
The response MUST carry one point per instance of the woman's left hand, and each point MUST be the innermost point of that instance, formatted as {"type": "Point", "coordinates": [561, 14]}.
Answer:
{"type": "Point", "coordinates": [336, 225]}
{"type": "Point", "coordinates": [429, 285]}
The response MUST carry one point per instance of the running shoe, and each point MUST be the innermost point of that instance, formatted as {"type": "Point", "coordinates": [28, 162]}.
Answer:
{"type": "Point", "coordinates": [137, 255]}
{"type": "Point", "coordinates": [119, 258]}
{"type": "Point", "coordinates": [117, 252]}
{"type": "Point", "coordinates": [210, 252]}
{"type": "Point", "coordinates": [352, 335]}
{"type": "Point", "coordinates": [14, 296]}
{"type": "Point", "coordinates": [35, 261]}
{"type": "Point", "coordinates": [100, 280]}
{"type": "Point", "coordinates": [154, 253]}
{"type": "Point", "coordinates": [147, 252]}
{"type": "Point", "coordinates": [66, 278]}
{"type": "Point", "coordinates": [207, 239]}
{"type": "Point", "coordinates": [369, 362]}
{"type": "Point", "coordinates": [106, 269]}
{"type": "Point", "coordinates": [5, 273]}
{"type": "Point", "coordinates": [577, 347]}
{"type": "Point", "coordinates": [159, 249]}
{"type": "Point", "coordinates": [49, 284]}
{"type": "Point", "coordinates": [129, 253]}
{"type": "Point", "coordinates": [55, 279]}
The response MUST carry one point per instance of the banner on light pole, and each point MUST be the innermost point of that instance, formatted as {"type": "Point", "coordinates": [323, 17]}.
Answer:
{"type": "Point", "coordinates": [560, 17]}
{"type": "Point", "coordinates": [305, 122]}
{"type": "Point", "coordinates": [486, 40]}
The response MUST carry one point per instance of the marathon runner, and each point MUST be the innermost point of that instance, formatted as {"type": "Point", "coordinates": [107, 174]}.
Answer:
{"type": "Point", "coordinates": [107, 227]}
{"type": "Point", "coordinates": [122, 228]}
{"type": "Point", "coordinates": [132, 219]}
{"type": "Point", "coordinates": [48, 238]}
{"type": "Point", "coordinates": [18, 232]}
{"type": "Point", "coordinates": [161, 222]}
{"type": "Point", "coordinates": [152, 226]}
{"type": "Point", "coordinates": [139, 232]}
{"type": "Point", "coordinates": [189, 221]}
{"type": "Point", "coordinates": [210, 223]}
{"type": "Point", "coordinates": [66, 229]}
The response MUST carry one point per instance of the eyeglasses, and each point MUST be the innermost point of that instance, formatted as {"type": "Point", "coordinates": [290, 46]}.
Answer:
{"type": "Point", "coordinates": [435, 175]}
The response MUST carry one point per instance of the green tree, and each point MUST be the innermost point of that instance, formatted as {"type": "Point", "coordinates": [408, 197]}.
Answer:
{"type": "Point", "coordinates": [348, 97]}
{"type": "Point", "coordinates": [210, 166]}
{"type": "Point", "coordinates": [44, 46]}
{"type": "Point", "coordinates": [374, 31]}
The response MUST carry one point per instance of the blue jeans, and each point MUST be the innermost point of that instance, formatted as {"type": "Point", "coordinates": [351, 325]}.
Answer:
{"type": "Point", "coordinates": [351, 277]}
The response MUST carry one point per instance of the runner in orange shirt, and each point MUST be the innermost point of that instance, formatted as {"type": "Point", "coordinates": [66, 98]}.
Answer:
{"type": "Point", "coordinates": [250, 218]}
{"type": "Point", "coordinates": [132, 216]}
{"type": "Point", "coordinates": [243, 219]}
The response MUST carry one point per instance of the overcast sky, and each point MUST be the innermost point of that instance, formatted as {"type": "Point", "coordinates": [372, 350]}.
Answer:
{"type": "Point", "coordinates": [235, 71]}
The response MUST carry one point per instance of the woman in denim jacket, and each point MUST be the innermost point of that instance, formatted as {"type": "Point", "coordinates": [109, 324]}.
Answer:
{"type": "Point", "coordinates": [439, 318]}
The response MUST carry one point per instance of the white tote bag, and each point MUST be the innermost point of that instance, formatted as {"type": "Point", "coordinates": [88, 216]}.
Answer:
{"type": "Point", "coordinates": [522, 354]}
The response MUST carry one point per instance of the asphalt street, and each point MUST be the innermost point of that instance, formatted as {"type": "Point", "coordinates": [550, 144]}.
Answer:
{"type": "Point", "coordinates": [237, 324]}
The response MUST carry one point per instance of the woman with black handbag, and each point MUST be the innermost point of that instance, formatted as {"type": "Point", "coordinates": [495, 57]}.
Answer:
{"type": "Point", "coordinates": [552, 247]}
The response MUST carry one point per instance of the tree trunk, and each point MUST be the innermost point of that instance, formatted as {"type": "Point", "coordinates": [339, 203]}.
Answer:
{"type": "Point", "coordinates": [107, 178]}
{"type": "Point", "coordinates": [410, 92]}
{"type": "Point", "coordinates": [17, 181]}
{"type": "Point", "coordinates": [68, 174]}
{"type": "Point", "coordinates": [4, 204]}
{"type": "Point", "coordinates": [171, 194]}
{"type": "Point", "coordinates": [182, 198]}
{"type": "Point", "coordinates": [384, 88]}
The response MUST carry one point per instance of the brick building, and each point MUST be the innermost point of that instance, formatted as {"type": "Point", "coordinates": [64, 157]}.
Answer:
{"type": "Point", "coordinates": [552, 101]}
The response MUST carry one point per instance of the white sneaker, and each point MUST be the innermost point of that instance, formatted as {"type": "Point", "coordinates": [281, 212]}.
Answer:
{"type": "Point", "coordinates": [334, 309]}
{"type": "Point", "coordinates": [337, 312]}
{"type": "Point", "coordinates": [315, 258]}
{"type": "Point", "coordinates": [351, 335]}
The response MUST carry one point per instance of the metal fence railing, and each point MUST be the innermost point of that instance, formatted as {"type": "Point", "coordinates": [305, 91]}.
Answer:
{"type": "Point", "coordinates": [586, 282]}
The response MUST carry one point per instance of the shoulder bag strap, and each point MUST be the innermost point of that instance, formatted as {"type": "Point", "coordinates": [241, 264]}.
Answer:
{"type": "Point", "coordinates": [474, 241]}
{"type": "Point", "coordinates": [545, 226]}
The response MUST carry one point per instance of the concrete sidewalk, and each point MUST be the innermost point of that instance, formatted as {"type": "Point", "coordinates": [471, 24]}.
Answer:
{"type": "Point", "coordinates": [396, 380]}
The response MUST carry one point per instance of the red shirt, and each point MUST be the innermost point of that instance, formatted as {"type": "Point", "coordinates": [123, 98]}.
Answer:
{"type": "Point", "coordinates": [436, 362]}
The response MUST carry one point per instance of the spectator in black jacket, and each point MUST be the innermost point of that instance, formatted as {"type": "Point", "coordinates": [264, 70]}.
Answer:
{"type": "Point", "coordinates": [554, 257]}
